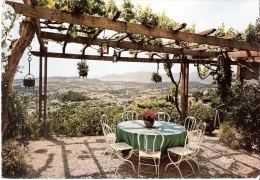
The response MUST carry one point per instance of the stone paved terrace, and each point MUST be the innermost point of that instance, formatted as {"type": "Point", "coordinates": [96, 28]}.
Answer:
{"type": "Point", "coordinates": [81, 157]}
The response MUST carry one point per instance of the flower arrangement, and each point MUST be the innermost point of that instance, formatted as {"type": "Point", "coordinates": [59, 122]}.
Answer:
{"type": "Point", "coordinates": [148, 115]}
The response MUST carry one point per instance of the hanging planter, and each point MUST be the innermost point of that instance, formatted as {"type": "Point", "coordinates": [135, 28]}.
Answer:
{"type": "Point", "coordinates": [29, 81]}
{"type": "Point", "coordinates": [156, 77]}
{"type": "Point", "coordinates": [82, 68]}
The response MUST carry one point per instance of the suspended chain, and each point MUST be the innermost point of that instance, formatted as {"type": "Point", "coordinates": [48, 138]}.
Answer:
{"type": "Point", "coordinates": [29, 57]}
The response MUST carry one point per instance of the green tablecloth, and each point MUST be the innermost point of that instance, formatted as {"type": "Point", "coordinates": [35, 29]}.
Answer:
{"type": "Point", "coordinates": [174, 134]}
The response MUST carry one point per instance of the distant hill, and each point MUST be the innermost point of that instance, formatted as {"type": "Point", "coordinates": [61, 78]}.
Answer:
{"type": "Point", "coordinates": [142, 76]}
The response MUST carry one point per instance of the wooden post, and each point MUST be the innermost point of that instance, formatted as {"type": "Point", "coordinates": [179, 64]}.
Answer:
{"type": "Point", "coordinates": [240, 75]}
{"type": "Point", "coordinates": [45, 95]}
{"type": "Point", "coordinates": [184, 89]}
{"type": "Point", "coordinates": [40, 85]}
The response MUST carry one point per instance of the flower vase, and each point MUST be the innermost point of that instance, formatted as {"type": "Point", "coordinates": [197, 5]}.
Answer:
{"type": "Point", "coordinates": [148, 124]}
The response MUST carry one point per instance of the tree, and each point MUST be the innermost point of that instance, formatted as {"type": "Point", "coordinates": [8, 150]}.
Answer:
{"type": "Point", "coordinates": [12, 61]}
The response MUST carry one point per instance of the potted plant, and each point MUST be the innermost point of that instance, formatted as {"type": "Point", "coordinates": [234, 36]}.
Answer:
{"type": "Point", "coordinates": [82, 69]}
{"type": "Point", "coordinates": [148, 117]}
{"type": "Point", "coordinates": [156, 77]}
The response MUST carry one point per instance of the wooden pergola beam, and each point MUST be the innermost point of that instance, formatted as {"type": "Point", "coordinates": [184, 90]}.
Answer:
{"type": "Point", "coordinates": [179, 27]}
{"type": "Point", "coordinates": [123, 59]}
{"type": "Point", "coordinates": [128, 59]}
{"type": "Point", "coordinates": [231, 36]}
{"type": "Point", "coordinates": [168, 42]}
{"type": "Point", "coordinates": [99, 22]}
{"type": "Point", "coordinates": [128, 45]}
{"type": "Point", "coordinates": [98, 31]}
{"type": "Point", "coordinates": [122, 37]}
{"type": "Point", "coordinates": [207, 32]}
{"type": "Point", "coordinates": [65, 42]}
{"type": "Point", "coordinates": [243, 54]}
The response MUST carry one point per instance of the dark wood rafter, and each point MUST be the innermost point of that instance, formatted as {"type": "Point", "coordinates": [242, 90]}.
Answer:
{"type": "Point", "coordinates": [207, 32]}
{"type": "Point", "coordinates": [128, 45]}
{"type": "Point", "coordinates": [203, 33]}
{"type": "Point", "coordinates": [65, 42]}
{"type": "Point", "coordinates": [147, 39]}
{"type": "Point", "coordinates": [135, 53]}
{"type": "Point", "coordinates": [98, 31]}
{"type": "Point", "coordinates": [99, 22]}
{"type": "Point", "coordinates": [122, 37]}
{"type": "Point", "coordinates": [141, 47]}
{"type": "Point", "coordinates": [127, 59]}
{"type": "Point", "coordinates": [231, 36]}
{"type": "Point", "coordinates": [243, 54]}
{"type": "Point", "coordinates": [170, 42]}
{"type": "Point", "coordinates": [179, 27]}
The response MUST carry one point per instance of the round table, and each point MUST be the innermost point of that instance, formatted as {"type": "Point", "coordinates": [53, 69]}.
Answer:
{"type": "Point", "coordinates": [174, 134]}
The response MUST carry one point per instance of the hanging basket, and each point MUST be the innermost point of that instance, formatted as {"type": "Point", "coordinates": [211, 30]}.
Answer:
{"type": "Point", "coordinates": [82, 68]}
{"type": "Point", "coordinates": [156, 77]}
{"type": "Point", "coordinates": [29, 81]}
{"type": "Point", "coordinates": [83, 72]}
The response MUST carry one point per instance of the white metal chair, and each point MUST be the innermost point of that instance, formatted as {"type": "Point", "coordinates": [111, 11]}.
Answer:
{"type": "Point", "coordinates": [104, 120]}
{"type": "Point", "coordinates": [190, 123]}
{"type": "Point", "coordinates": [129, 116]}
{"type": "Point", "coordinates": [148, 155]}
{"type": "Point", "coordinates": [117, 148]}
{"type": "Point", "coordinates": [194, 143]}
{"type": "Point", "coordinates": [186, 153]}
{"type": "Point", "coordinates": [162, 116]}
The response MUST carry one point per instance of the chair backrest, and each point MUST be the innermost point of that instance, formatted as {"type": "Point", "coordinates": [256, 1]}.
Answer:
{"type": "Point", "coordinates": [107, 134]}
{"type": "Point", "coordinates": [103, 119]}
{"type": "Point", "coordinates": [203, 127]}
{"type": "Point", "coordinates": [148, 141]}
{"type": "Point", "coordinates": [194, 137]}
{"type": "Point", "coordinates": [190, 123]}
{"type": "Point", "coordinates": [129, 116]}
{"type": "Point", "coordinates": [162, 116]}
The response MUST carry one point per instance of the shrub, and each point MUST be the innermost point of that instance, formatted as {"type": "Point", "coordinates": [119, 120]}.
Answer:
{"type": "Point", "coordinates": [32, 126]}
{"type": "Point", "coordinates": [78, 121]}
{"type": "Point", "coordinates": [73, 96]}
{"type": "Point", "coordinates": [13, 163]}
{"type": "Point", "coordinates": [200, 112]}
{"type": "Point", "coordinates": [156, 106]}
{"type": "Point", "coordinates": [243, 109]}
{"type": "Point", "coordinates": [16, 108]}
{"type": "Point", "coordinates": [230, 135]}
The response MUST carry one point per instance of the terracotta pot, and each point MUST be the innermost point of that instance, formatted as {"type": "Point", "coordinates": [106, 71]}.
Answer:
{"type": "Point", "coordinates": [148, 124]}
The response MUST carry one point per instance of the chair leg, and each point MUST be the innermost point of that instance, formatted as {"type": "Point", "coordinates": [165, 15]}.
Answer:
{"type": "Point", "coordinates": [125, 160]}
{"type": "Point", "coordinates": [174, 163]}
{"type": "Point", "coordinates": [175, 166]}
{"type": "Point", "coordinates": [190, 166]}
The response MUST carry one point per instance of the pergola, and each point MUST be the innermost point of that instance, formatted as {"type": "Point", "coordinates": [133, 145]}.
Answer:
{"type": "Point", "coordinates": [200, 47]}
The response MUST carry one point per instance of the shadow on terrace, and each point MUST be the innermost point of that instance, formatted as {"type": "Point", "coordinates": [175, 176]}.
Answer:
{"type": "Point", "coordinates": [82, 157]}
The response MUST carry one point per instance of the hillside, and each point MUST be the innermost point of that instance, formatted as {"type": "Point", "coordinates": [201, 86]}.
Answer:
{"type": "Point", "coordinates": [142, 76]}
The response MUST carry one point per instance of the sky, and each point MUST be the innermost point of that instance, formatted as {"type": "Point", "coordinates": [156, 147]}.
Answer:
{"type": "Point", "coordinates": [206, 14]}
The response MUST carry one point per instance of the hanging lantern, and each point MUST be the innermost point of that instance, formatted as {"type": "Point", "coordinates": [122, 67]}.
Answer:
{"type": "Point", "coordinates": [29, 80]}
